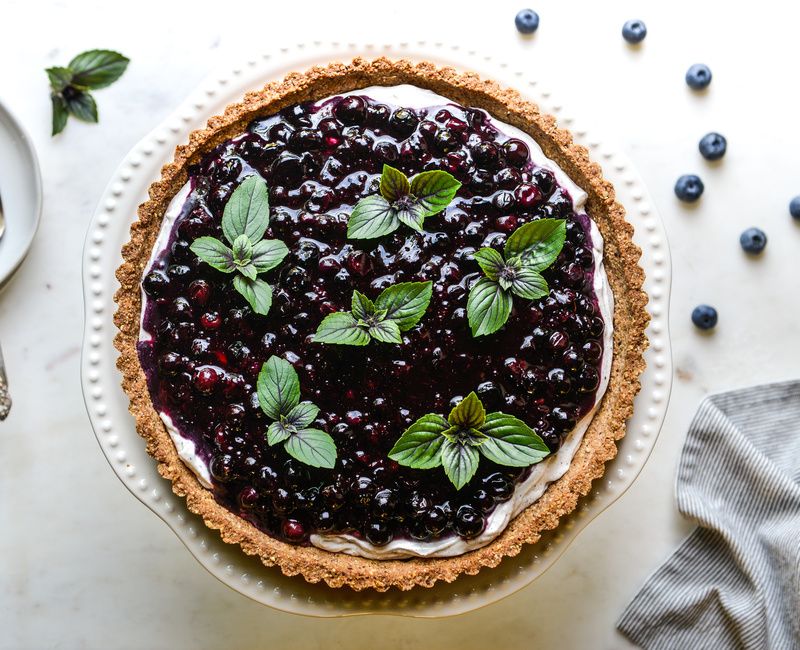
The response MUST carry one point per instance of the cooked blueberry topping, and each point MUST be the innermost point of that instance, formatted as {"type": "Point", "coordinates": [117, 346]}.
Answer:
{"type": "Point", "coordinates": [208, 345]}
{"type": "Point", "coordinates": [634, 31]}
{"type": "Point", "coordinates": [698, 76]}
{"type": "Point", "coordinates": [713, 146]}
{"type": "Point", "coordinates": [293, 530]}
{"type": "Point", "coordinates": [527, 21]}
{"type": "Point", "coordinates": [704, 317]}
{"type": "Point", "coordinates": [689, 188]}
{"type": "Point", "coordinates": [155, 283]}
{"type": "Point", "coordinates": [753, 240]}
{"type": "Point", "coordinates": [794, 207]}
{"type": "Point", "coordinates": [469, 522]}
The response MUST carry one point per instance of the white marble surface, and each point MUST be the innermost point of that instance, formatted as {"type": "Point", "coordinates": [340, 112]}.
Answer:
{"type": "Point", "coordinates": [84, 565]}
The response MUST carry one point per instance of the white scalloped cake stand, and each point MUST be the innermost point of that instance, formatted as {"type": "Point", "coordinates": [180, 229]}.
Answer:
{"type": "Point", "coordinates": [107, 404]}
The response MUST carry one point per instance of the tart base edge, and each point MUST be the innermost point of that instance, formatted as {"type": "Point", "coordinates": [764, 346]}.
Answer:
{"type": "Point", "coordinates": [621, 259]}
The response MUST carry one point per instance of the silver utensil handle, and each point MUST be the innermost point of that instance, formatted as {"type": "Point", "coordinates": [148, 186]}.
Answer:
{"type": "Point", "coordinates": [5, 397]}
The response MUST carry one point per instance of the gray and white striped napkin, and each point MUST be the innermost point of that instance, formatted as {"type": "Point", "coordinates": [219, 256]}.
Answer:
{"type": "Point", "coordinates": [735, 581]}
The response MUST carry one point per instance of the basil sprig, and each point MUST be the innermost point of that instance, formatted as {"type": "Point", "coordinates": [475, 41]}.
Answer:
{"type": "Point", "coordinates": [279, 397]}
{"type": "Point", "coordinates": [530, 249]}
{"type": "Point", "coordinates": [397, 309]}
{"type": "Point", "coordinates": [457, 442]}
{"type": "Point", "coordinates": [401, 201]}
{"type": "Point", "coordinates": [244, 222]}
{"type": "Point", "coordinates": [70, 86]}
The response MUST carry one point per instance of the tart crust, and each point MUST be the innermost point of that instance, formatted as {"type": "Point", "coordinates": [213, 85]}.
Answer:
{"type": "Point", "coordinates": [621, 262]}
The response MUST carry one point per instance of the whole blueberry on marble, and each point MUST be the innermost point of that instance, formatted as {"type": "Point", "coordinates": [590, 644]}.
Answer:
{"type": "Point", "coordinates": [794, 207]}
{"type": "Point", "coordinates": [713, 146]}
{"type": "Point", "coordinates": [527, 21]}
{"type": "Point", "coordinates": [698, 76]}
{"type": "Point", "coordinates": [753, 240]}
{"type": "Point", "coordinates": [689, 188]}
{"type": "Point", "coordinates": [704, 317]}
{"type": "Point", "coordinates": [634, 31]}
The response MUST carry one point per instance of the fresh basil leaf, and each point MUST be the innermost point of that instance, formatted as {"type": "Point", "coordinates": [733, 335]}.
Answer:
{"type": "Point", "coordinates": [302, 415]}
{"type": "Point", "coordinates": [420, 445]}
{"type": "Point", "coordinates": [242, 250]}
{"type": "Point", "coordinates": [248, 270]}
{"type": "Point", "coordinates": [312, 447]}
{"type": "Point", "coordinates": [385, 331]}
{"type": "Point", "coordinates": [98, 68]}
{"type": "Point", "coordinates": [504, 282]}
{"type": "Point", "coordinates": [361, 306]}
{"type": "Point", "coordinates": [474, 437]}
{"type": "Point", "coordinates": [247, 210]}
{"type": "Point", "coordinates": [488, 307]}
{"type": "Point", "coordinates": [373, 216]}
{"type": "Point", "coordinates": [465, 436]}
{"type": "Point", "coordinates": [412, 215]}
{"type": "Point", "coordinates": [509, 271]}
{"type": "Point", "coordinates": [214, 253]}
{"type": "Point", "coordinates": [59, 78]}
{"type": "Point", "coordinates": [514, 264]}
{"type": "Point", "coordinates": [405, 303]}
{"type": "Point", "coordinates": [340, 328]}
{"type": "Point", "coordinates": [256, 292]}
{"type": "Point", "coordinates": [490, 261]}
{"type": "Point", "coordinates": [394, 184]}
{"type": "Point", "coordinates": [468, 413]}
{"type": "Point", "coordinates": [82, 106]}
{"type": "Point", "coordinates": [279, 432]}
{"type": "Point", "coordinates": [529, 284]}
{"type": "Point", "coordinates": [537, 243]}
{"type": "Point", "coordinates": [278, 388]}
{"type": "Point", "coordinates": [268, 253]}
{"type": "Point", "coordinates": [460, 462]}
{"type": "Point", "coordinates": [60, 113]}
{"type": "Point", "coordinates": [511, 442]}
{"type": "Point", "coordinates": [434, 190]}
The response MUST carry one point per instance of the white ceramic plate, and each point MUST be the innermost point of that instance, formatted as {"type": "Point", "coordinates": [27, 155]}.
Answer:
{"type": "Point", "coordinates": [20, 192]}
{"type": "Point", "coordinates": [108, 405]}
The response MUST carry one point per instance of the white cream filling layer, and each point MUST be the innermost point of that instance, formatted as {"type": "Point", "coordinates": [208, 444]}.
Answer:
{"type": "Point", "coordinates": [187, 451]}
{"type": "Point", "coordinates": [541, 475]}
{"type": "Point", "coordinates": [173, 212]}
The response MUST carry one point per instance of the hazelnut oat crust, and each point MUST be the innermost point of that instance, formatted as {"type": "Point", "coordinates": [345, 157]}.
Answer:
{"type": "Point", "coordinates": [621, 263]}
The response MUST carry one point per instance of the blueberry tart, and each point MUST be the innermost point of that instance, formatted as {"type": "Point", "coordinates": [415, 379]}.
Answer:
{"type": "Point", "coordinates": [381, 323]}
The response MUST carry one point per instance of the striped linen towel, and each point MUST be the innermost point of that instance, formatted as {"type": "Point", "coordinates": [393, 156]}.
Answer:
{"type": "Point", "coordinates": [735, 581]}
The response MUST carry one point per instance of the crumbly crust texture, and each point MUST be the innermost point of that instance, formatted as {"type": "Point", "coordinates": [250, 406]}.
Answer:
{"type": "Point", "coordinates": [622, 266]}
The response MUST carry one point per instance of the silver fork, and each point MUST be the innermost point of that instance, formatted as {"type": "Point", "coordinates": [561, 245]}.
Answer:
{"type": "Point", "coordinates": [5, 397]}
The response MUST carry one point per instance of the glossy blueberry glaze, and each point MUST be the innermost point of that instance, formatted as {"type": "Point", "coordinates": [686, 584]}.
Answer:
{"type": "Point", "coordinates": [207, 346]}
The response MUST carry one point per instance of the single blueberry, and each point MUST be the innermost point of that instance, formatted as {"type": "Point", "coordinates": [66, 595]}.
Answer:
{"type": "Point", "coordinates": [794, 207]}
{"type": "Point", "coordinates": [634, 31]}
{"type": "Point", "coordinates": [704, 317]}
{"type": "Point", "coordinates": [753, 240]}
{"type": "Point", "coordinates": [689, 188]}
{"type": "Point", "coordinates": [527, 21]}
{"type": "Point", "coordinates": [698, 76]}
{"type": "Point", "coordinates": [713, 146]}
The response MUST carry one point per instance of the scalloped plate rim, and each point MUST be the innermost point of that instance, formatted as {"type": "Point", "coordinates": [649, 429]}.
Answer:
{"type": "Point", "coordinates": [98, 298]}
